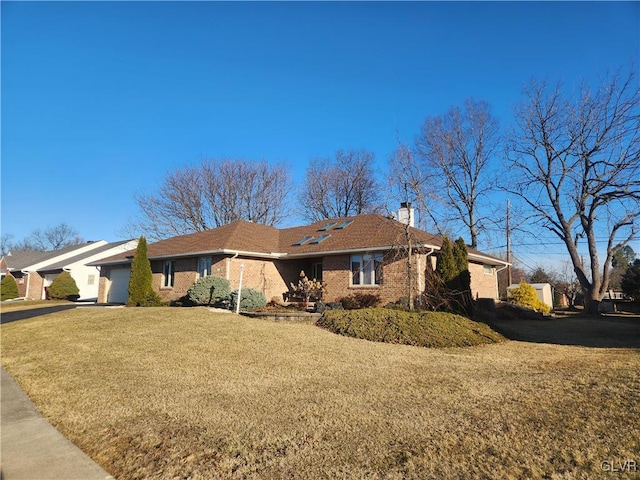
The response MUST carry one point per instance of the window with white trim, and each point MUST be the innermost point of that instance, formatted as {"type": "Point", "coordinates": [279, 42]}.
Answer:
{"type": "Point", "coordinates": [204, 267]}
{"type": "Point", "coordinates": [487, 269]}
{"type": "Point", "coordinates": [167, 274]}
{"type": "Point", "coordinates": [366, 269]}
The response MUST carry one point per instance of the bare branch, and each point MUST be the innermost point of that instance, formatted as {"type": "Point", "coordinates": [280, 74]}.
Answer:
{"type": "Point", "coordinates": [583, 155]}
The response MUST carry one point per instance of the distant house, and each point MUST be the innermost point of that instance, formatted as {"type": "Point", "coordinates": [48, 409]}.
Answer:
{"type": "Point", "coordinates": [363, 253]}
{"type": "Point", "coordinates": [34, 271]}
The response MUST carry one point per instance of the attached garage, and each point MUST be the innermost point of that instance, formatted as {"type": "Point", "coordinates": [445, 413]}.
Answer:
{"type": "Point", "coordinates": [119, 285]}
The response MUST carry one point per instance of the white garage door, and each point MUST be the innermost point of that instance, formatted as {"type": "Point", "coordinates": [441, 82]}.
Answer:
{"type": "Point", "coordinates": [119, 289]}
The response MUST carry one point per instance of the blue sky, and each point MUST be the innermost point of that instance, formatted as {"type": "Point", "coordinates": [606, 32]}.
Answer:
{"type": "Point", "coordinates": [101, 99]}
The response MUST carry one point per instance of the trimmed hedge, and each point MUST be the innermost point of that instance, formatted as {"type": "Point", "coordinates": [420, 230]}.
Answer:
{"type": "Point", "coordinates": [8, 287]}
{"type": "Point", "coordinates": [423, 329]}
{"type": "Point", "coordinates": [209, 290]}
{"type": "Point", "coordinates": [63, 287]}
{"type": "Point", "coordinates": [251, 300]}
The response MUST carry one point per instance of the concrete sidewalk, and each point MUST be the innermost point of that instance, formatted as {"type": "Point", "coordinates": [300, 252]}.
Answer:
{"type": "Point", "coordinates": [31, 448]}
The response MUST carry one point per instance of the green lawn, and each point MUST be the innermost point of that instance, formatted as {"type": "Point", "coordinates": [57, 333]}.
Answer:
{"type": "Point", "coordinates": [186, 393]}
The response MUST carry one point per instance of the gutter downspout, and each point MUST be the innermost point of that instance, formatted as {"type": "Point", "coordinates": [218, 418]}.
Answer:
{"type": "Point", "coordinates": [420, 277]}
{"type": "Point", "coordinates": [26, 292]}
{"type": "Point", "coordinates": [229, 265]}
{"type": "Point", "coordinates": [498, 270]}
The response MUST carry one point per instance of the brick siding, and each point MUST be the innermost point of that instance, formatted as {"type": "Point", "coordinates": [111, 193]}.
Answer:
{"type": "Point", "coordinates": [273, 277]}
{"type": "Point", "coordinates": [36, 285]}
{"type": "Point", "coordinates": [483, 285]}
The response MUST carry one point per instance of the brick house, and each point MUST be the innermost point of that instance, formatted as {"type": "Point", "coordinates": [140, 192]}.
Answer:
{"type": "Point", "coordinates": [363, 253]}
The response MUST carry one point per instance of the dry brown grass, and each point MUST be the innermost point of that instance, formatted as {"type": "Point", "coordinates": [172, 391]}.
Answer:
{"type": "Point", "coordinates": [186, 393]}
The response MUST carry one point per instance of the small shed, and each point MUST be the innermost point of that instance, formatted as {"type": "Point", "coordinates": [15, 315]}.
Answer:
{"type": "Point", "coordinates": [544, 291]}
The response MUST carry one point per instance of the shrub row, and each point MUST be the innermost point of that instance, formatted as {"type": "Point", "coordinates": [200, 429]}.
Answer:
{"type": "Point", "coordinates": [215, 290]}
{"type": "Point", "coordinates": [425, 329]}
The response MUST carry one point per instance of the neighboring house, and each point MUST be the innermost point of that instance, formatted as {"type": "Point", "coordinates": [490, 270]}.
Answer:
{"type": "Point", "coordinates": [363, 253]}
{"type": "Point", "coordinates": [34, 271]}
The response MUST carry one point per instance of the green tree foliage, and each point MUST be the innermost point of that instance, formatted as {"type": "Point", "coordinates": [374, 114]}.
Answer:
{"type": "Point", "coordinates": [141, 292]}
{"type": "Point", "coordinates": [8, 288]}
{"type": "Point", "coordinates": [631, 281]}
{"type": "Point", "coordinates": [461, 259]}
{"type": "Point", "coordinates": [446, 266]}
{"type": "Point", "coordinates": [462, 280]}
{"type": "Point", "coordinates": [453, 271]}
{"type": "Point", "coordinates": [540, 275]}
{"type": "Point", "coordinates": [209, 290]}
{"type": "Point", "coordinates": [63, 287]}
{"type": "Point", "coordinates": [525, 295]}
{"type": "Point", "coordinates": [623, 258]}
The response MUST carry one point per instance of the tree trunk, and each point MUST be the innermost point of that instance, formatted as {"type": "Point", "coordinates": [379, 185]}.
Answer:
{"type": "Point", "coordinates": [591, 301]}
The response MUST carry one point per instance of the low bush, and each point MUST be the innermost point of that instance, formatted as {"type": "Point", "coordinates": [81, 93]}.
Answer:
{"type": "Point", "coordinates": [63, 287]}
{"type": "Point", "coordinates": [525, 296]}
{"type": "Point", "coordinates": [151, 300]}
{"type": "Point", "coordinates": [251, 300]}
{"type": "Point", "coordinates": [209, 291]}
{"type": "Point", "coordinates": [360, 300]}
{"type": "Point", "coordinates": [8, 288]}
{"type": "Point", "coordinates": [424, 329]}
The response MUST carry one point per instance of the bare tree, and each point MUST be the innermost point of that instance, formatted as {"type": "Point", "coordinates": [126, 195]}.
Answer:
{"type": "Point", "coordinates": [341, 186]}
{"type": "Point", "coordinates": [454, 153]}
{"type": "Point", "coordinates": [409, 179]}
{"type": "Point", "coordinates": [212, 194]}
{"type": "Point", "coordinates": [5, 243]}
{"type": "Point", "coordinates": [568, 284]}
{"type": "Point", "coordinates": [41, 240]}
{"type": "Point", "coordinates": [575, 163]}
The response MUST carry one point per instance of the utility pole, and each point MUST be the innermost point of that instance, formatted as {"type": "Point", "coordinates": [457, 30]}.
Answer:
{"type": "Point", "coordinates": [509, 277]}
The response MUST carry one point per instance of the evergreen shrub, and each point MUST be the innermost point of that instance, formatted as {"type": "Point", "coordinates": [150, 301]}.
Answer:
{"type": "Point", "coordinates": [8, 288]}
{"type": "Point", "coordinates": [209, 291]}
{"type": "Point", "coordinates": [141, 293]}
{"type": "Point", "coordinates": [251, 300]}
{"type": "Point", "coordinates": [525, 296]}
{"type": "Point", "coordinates": [63, 287]}
{"type": "Point", "coordinates": [424, 329]}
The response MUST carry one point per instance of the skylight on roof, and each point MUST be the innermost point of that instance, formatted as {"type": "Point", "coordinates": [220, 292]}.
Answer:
{"type": "Point", "coordinates": [344, 224]}
{"type": "Point", "coordinates": [327, 227]}
{"type": "Point", "coordinates": [303, 240]}
{"type": "Point", "coordinates": [321, 238]}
